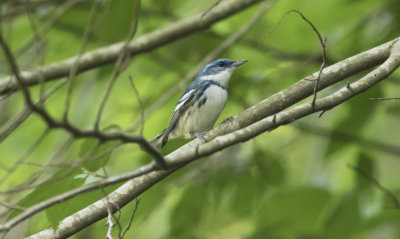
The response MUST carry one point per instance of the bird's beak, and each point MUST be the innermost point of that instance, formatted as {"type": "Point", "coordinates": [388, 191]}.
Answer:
{"type": "Point", "coordinates": [238, 63]}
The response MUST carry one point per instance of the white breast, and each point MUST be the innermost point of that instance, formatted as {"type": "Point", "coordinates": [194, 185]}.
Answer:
{"type": "Point", "coordinates": [201, 119]}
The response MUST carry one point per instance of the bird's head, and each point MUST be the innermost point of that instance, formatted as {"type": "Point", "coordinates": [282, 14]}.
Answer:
{"type": "Point", "coordinates": [219, 70]}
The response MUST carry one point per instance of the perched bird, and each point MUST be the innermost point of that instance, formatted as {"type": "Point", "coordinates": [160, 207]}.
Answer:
{"type": "Point", "coordinates": [201, 103]}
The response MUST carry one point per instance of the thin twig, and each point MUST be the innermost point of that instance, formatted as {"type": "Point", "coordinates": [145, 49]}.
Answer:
{"type": "Point", "coordinates": [50, 165]}
{"type": "Point", "coordinates": [26, 112]}
{"type": "Point", "coordinates": [210, 8]}
{"type": "Point", "coordinates": [72, 193]}
{"type": "Point", "coordinates": [59, 12]}
{"type": "Point", "coordinates": [384, 98]}
{"type": "Point", "coordinates": [137, 201]}
{"type": "Point", "coordinates": [16, 121]}
{"type": "Point", "coordinates": [94, 174]}
{"type": "Point", "coordinates": [376, 183]}
{"type": "Point", "coordinates": [277, 53]}
{"type": "Point", "coordinates": [123, 58]}
{"type": "Point", "coordinates": [111, 214]}
{"type": "Point", "coordinates": [323, 45]}
{"type": "Point", "coordinates": [39, 49]}
{"type": "Point", "coordinates": [28, 184]}
{"type": "Point", "coordinates": [322, 113]}
{"type": "Point", "coordinates": [140, 45]}
{"type": "Point", "coordinates": [77, 133]}
{"type": "Point", "coordinates": [209, 57]}
{"type": "Point", "coordinates": [232, 135]}
{"type": "Point", "coordinates": [109, 222]}
{"type": "Point", "coordinates": [12, 206]}
{"type": "Point", "coordinates": [136, 173]}
{"type": "Point", "coordinates": [85, 39]}
{"type": "Point", "coordinates": [25, 155]}
{"type": "Point", "coordinates": [14, 69]}
{"type": "Point", "coordinates": [71, 166]}
{"type": "Point", "coordinates": [141, 106]}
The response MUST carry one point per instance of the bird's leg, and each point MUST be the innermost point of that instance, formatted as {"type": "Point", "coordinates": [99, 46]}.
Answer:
{"type": "Point", "coordinates": [201, 136]}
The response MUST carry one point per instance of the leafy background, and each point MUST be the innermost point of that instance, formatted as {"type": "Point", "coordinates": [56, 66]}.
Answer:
{"type": "Point", "coordinates": [293, 182]}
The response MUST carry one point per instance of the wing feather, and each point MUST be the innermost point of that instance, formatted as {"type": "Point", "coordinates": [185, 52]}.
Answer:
{"type": "Point", "coordinates": [180, 108]}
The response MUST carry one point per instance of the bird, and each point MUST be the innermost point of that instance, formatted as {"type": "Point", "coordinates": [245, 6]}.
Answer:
{"type": "Point", "coordinates": [201, 103]}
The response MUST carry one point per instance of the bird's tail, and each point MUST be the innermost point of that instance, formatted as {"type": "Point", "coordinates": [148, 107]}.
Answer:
{"type": "Point", "coordinates": [157, 141]}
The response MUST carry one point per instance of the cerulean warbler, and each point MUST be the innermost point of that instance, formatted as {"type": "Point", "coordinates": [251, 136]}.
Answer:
{"type": "Point", "coordinates": [201, 103]}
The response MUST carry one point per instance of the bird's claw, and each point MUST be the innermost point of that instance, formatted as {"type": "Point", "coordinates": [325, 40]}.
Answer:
{"type": "Point", "coordinates": [201, 136]}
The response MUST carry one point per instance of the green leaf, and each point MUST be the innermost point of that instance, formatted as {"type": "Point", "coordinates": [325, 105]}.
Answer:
{"type": "Point", "coordinates": [119, 13]}
{"type": "Point", "coordinates": [190, 204]}
{"type": "Point", "coordinates": [366, 165]}
{"type": "Point", "coordinates": [270, 167]}
{"type": "Point", "coordinates": [99, 156]}
{"type": "Point", "coordinates": [96, 154]}
{"type": "Point", "coordinates": [345, 219]}
{"type": "Point", "coordinates": [297, 211]}
{"type": "Point", "coordinates": [63, 180]}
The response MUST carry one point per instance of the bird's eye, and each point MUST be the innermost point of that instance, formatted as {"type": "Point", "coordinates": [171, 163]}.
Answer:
{"type": "Point", "coordinates": [221, 64]}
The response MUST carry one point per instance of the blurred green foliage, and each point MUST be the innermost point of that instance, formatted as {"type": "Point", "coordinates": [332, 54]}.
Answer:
{"type": "Point", "coordinates": [293, 182]}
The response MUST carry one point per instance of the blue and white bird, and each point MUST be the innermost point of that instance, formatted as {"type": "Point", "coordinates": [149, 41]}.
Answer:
{"type": "Point", "coordinates": [201, 103]}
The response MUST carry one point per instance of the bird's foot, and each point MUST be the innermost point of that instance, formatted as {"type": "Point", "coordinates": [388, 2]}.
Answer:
{"type": "Point", "coordinates": [201, 136]}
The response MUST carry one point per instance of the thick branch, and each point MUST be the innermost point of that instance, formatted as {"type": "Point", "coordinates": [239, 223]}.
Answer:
{"type": "Point", "coordinates": [120, 196]}
{"type": "Point", "coordinates": [195, 150]}
{"type": "Point", "coordinates": [304, 88]}
{"type": "Point", "coordinates": [139, 45]}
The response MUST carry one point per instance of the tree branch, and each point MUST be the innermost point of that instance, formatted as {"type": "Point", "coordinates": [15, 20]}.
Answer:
{"type": "Point", "coordinates": [209, 57]}
{"type": "Point", "coordinates": [76, 132]}
{"type": "Point", "coordinates": [378, 185]}
{"type": "Point", "coordinates": [144, 43]}
{"type": "Point", "coordinates": [195, 149]}
{"type": "Point", "coordinates": [304, 88]}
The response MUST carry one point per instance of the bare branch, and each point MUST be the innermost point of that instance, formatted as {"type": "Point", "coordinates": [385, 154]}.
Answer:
{"type": "Point", "coordinates": [26, 112]}
{"type": "Point", "coordinates": [25, 155]}
{"type": "Point", "coordinates": [140, 45]}
{"type": "Point", "coordinates": [195, 149]}
{"type": "Point", "coordinates": [14, 69]}
{"type": "Point", "coordinates": [277, 53]}
{"type": "Point", "coordinates": [109, 222]}
{"type": "Point", "coordinates": [48, 25]}
{"type": "Point", "coordinates": [37, 38]}
{"type": "Point", "coordinates": [384, 98]}
{"type": "Point", "coordinates": [137, 201]}
{"type": "Point", "coordinates": [323, 45]}
{"type": "Point", "coordinates": [223, 46]}
{"type": "Point", "coordinates": [376, 183]}
{"type": "Point", "coordinates": [11, 206]}
{"type": "Point", "coordinates": [145, 170]}
{"type": "Point", "coordinates": [304, 88]}
{"type": "Point", "coordinates": [122, 60]}
{"type": "Point", "coordinates": [141, 106]}
{"type": "Point", "coordinates": [208, 10]}
{"type": "Point", "coordinates": [209, 57]}
{"type": "Point", "coordinates": [77, 133]}
{"type": "Point", "coordinates": [85, 39]}
{"type": "Point", "coordinates": [29, 183]}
